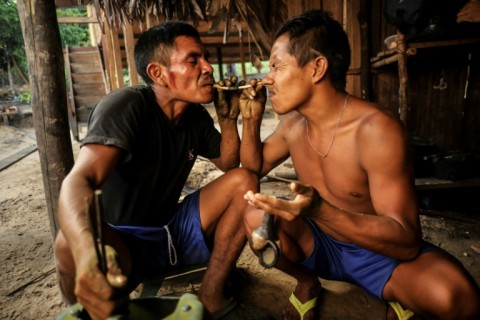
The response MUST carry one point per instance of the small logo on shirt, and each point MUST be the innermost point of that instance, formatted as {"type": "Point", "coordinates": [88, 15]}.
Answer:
{"type": "Point", "coordinates": [191, 155]}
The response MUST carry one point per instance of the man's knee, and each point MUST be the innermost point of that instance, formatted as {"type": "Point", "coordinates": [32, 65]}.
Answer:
{"type": "Point", "coordinates": [457, 301]}
{"type": "Point", "coordinates": [244, 179]}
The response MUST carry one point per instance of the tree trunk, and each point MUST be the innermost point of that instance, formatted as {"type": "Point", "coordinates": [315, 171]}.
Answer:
{"type": "Point", "coordinates": [10, 78]}
{"type": "Point", "coordinates": [49, 99]}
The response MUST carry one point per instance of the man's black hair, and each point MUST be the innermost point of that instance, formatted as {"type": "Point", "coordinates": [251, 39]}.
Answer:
{"type": "Point", "coordinates": [317, 30]}
{"type": "Point", "coordinates": [156, 44]}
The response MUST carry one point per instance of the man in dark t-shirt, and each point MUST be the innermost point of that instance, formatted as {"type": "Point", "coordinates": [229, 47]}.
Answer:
{"type": "Point", "coordinates": [140, 147]}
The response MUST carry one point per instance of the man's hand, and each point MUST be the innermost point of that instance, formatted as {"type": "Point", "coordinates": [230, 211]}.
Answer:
{"type": "Point", "coordinates": [227, 101]}
{"type": "Point", "coordinates": [101, 296]}
{"type": "Point", "coordinates": [306, 202]}
{"type": "Point", "coordinates": [470, 12]}
{"type": "Point", "coordinates": [252, 101]}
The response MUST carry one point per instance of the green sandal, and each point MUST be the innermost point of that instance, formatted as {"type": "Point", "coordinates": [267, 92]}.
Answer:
{"type": "Point", "coordinates": [302, 308]}
{"type": "Point", "coordinates": [402, 314]}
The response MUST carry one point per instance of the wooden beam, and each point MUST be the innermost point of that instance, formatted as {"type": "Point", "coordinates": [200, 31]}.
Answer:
{"type": "Point", "coordinates": [363, 22]}
{"type": "Point", "coordinates": [129, 50]}
{"type": "Point", "coordinates": [403, 76]}
{"type": "Point", "coordinates": [296, 7]}
{"type": "Point", "coordinates": [72, 112]}
{"type": "Point", "coordinates": [220, 62]}
{"type": "Point", "coordinates": [117, 58]}
{"type": "Point", "coordinates": [67, 3]}
{"type": "Point", "coordinates": [242, 55]}
{"type": "Point", "coordinates": [77, 20]}
{"type": "Point", "coordinates": [108, 55]}
{"type": "Point", "coordinates": [49, 98]}
{"type": "Point", "coordinates": [335, 7]}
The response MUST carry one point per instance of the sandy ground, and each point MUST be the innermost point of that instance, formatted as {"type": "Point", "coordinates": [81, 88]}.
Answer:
{"type": "Point", "coordinates": [28, 280]}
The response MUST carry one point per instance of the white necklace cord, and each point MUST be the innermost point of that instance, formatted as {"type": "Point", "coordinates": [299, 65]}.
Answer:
{"type": "Point", "coordinates": [172, 253]}
{"type": "Point", "coordinates": [324, 155]}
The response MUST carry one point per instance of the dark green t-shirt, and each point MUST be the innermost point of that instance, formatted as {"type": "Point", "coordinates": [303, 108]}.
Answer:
{"type": "Point", "coordinates": [145, 186]}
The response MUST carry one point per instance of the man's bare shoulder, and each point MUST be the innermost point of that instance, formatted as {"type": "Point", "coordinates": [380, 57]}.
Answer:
{"type": "Point", "coordinates": [375, 121]}
{"type": "Point", "coordinates": [381, 137]}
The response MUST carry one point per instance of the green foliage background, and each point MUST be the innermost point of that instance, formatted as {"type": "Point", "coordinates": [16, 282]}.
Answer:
{"type": "Point", "coordinates": [11, 38]}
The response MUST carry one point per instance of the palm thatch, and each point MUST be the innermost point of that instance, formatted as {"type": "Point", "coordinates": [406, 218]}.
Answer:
{"type": "Point", "coordinates": [262, 17]}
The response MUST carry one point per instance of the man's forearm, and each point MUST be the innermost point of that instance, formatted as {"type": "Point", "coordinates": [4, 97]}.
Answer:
{"type": "Point", "coordinates": [380, 234]}
{"type": "Point", "coordinates": [73, 210]}
{"type": "Point", "coordinates": [251, 147]}
{"type": "Point", "coordinates": [230, 144]}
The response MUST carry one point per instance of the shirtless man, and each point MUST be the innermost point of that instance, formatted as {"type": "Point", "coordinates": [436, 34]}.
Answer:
{"type": "Point", "coordinates": [355, 216]}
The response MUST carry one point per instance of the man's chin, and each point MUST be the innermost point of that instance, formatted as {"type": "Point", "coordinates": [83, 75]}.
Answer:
{"type": "Point", "coordinates": [206, 98]}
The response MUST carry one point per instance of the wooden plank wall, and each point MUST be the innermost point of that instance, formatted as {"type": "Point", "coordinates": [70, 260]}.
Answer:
{"type": "Point", "coordinates": [438, 108]}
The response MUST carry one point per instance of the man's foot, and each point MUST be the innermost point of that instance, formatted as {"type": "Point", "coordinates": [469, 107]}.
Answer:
{"type": "Point", "coordinates": [303, 304]}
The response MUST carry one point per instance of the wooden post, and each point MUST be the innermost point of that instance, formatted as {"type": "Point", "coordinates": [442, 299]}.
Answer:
{"type": "Point", "coordinates": [108, 55]}
{"type": "Point", "coordinates": [49, 99]}
{"type": "Point", "coordinates": [130, 52]}
{"type": "Point", "coordinates": [117, 57]}
{"type": "Point", "coordinates": [220, 63]}
{"type": "Point", "coordinates": [242, 54]}
{"type": "Point", "coordinates": [363, 21]}
{"type": "Point", "coordinates": [402, 76]}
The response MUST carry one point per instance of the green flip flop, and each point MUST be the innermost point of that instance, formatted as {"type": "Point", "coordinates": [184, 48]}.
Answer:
{"type": "Point", "coordinates": [302, 308]}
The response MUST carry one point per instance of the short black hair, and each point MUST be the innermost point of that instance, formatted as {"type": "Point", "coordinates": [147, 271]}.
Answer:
{"type": "Point", "coordinates": [157, 43]}
{"type": "Point", "coordinates": [317, 30]}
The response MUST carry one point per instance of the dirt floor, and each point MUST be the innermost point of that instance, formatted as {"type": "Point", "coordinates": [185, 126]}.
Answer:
{"type": "Point", "coordinates": [29, 288]}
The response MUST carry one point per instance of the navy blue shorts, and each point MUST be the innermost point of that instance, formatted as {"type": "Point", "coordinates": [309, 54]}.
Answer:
{"type": "Point", "coordinates": [158, 249]}
{"type": "Point", "coordinates": [336, 260]}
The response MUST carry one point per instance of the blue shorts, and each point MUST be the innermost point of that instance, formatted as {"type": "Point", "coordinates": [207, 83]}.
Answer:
{"type": "Point", "coordinates": [336, 260]}
{"type": "Point", "coordinates": [159, 249]}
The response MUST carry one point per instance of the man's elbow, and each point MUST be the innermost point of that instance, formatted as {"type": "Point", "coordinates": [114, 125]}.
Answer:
{"type": "Point", "coordinates": [411, 248]}
{"type": "Point", "coordinates": [230, 166]}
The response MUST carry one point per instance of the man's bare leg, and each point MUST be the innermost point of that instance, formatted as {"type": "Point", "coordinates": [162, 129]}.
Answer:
{"type": "Point", "coordinates": [434, 285]}
{"type": "Point", "coordinates": [221, 210]}
{"type": "Point", "coordinates": [296, 243]}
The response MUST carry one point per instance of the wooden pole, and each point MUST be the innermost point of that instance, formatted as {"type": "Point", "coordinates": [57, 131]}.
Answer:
{"type": "Point", "coordinates": [129, 38]}
{"type": "Point", "coordinates": [363, 20]}
{"type": "Point", "coordinates": [242, 55]}
{"type": "Point", "coordinates": [220, 63]}
{"type": "Point", "coordinates": [49, 98]}
{"type": "Point", "coordinates": [402, 76]}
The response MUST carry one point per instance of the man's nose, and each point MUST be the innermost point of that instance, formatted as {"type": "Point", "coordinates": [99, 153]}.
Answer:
{"type": "Point", "coordinates": [207, 67]}
{"type": "Point", "coordinates": [267, 80]}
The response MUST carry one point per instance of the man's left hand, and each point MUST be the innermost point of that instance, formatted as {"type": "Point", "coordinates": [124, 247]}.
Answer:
{"type": "Point", "coordinates": [306, 202]}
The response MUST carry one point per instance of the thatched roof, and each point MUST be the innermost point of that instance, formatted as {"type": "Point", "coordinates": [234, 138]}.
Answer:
{"type": "Point", "coordinates": [262, 17]}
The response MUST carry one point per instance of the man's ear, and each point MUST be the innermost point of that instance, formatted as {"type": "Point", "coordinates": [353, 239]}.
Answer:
{"type": "Point", "coordinates": [319, 68]}
{"type": "Point", "coordinates": [156, 72]}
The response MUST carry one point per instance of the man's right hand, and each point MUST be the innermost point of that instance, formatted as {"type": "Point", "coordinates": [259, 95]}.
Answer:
{"type": "Point", "coordinates": [252, 101]}
{"type": "Point", "coordinates": [101, 296]}
{"type": "Point", "coordinates": [227, 102]}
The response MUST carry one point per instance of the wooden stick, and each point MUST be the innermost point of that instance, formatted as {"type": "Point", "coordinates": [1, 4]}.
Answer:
{"type": "Point", "coordinates": [234, 88]}
{"type": "Point", "coordinates": [100, 241]}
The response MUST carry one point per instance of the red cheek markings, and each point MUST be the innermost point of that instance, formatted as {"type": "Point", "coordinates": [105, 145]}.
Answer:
{"type": "Point", "coordinates": [171, 77]}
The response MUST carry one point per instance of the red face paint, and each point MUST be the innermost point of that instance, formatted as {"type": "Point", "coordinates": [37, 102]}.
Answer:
{"type": "Point", "coordinates": [171, 77]}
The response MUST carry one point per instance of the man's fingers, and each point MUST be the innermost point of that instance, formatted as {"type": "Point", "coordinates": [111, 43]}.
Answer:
{"type": "Point", "coordinates": [115, 276]}
{"type": "Point", "coordinates": [301, 189]}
